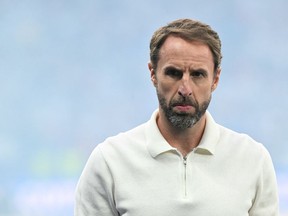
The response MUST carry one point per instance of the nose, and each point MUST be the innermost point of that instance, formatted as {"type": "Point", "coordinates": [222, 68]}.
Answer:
{"type": "Point", "coordinates": [185, 89]}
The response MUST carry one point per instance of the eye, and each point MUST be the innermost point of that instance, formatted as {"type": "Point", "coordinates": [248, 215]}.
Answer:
{"type": "Point", "coordinates": [198, 74]}
{"type": "Point", "coordinates": [173, 72]}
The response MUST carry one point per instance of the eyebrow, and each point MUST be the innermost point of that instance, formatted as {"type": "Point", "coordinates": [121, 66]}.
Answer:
{"type": "Point", "coordinates": [199, 70]}
{"type": "Point", "coordinates": [172, 68]}
{"type": "Point", "coordinates": [202, 70]}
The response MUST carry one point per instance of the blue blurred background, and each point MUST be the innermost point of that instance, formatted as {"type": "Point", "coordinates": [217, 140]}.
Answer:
{"type": "Point", "coordinates": [74, 72]}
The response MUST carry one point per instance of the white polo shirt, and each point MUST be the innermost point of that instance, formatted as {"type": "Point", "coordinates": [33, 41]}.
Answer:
{"type": "Point", "coordinates": [137, 173]}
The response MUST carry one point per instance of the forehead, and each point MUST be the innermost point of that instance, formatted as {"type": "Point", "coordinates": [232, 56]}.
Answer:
{"type": "Point", "coordinates": [176, 49]}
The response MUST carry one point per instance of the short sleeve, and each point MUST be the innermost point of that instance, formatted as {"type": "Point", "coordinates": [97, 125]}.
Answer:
{"type": "Point", "coordinates": [94, 192]}
{"type": "Point", "coordinates": [266, 202]}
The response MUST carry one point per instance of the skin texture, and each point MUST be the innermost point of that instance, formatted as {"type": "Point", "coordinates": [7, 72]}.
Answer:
{"type": "Point", "coordinates": [184, 82]}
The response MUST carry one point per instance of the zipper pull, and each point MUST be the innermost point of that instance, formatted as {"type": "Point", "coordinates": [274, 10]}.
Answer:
{"type": "Point", "coordinates": [185, 161]}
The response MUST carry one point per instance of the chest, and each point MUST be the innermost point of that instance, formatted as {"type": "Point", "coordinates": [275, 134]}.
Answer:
{"type": "Point", "coordinates": [178, 187]}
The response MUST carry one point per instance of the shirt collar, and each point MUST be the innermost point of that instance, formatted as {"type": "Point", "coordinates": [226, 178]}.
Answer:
{"type": "Point", "coordinates": [157, 144]}
{"type": "Point", "coordinates": [210, 136]}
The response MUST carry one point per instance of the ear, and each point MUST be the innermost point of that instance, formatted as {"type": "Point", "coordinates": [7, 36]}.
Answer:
{"type": "Point", "coordinates": [152, 74]}
{"type": "Point", "coordinates": [216, 79]}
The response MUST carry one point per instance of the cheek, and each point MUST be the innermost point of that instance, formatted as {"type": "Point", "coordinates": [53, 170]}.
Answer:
{"type": "Point", "coordinates": [164, 87]}
{"type": "Point", "coordinates": [167, 90]}
{"type": "Point", "coordinates": [202, 94]}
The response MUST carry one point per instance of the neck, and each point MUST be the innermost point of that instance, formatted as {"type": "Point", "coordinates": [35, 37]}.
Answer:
{"type": "Point", "coordinates": [184, 140]}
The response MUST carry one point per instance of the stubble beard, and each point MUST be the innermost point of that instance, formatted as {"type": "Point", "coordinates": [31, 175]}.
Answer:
{"type": "Point", "coordinates": [182, 120]}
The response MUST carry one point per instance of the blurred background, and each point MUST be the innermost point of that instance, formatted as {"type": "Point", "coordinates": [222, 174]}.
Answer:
{"type": "Point", "coordinates": [74, 72]}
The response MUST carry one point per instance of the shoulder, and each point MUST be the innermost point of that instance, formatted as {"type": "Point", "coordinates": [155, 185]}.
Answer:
{"type": "Point", "coordinates": [124, 142]}
{"type": "Point", "coordinates": [124, 138]}
{"type": "Point", "coordinates": [241, 143]}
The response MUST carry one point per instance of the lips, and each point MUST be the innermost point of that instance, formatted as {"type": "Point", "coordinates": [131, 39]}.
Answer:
{"type": "Point", "coordinates": [182, 104]}
{"type": "Point", "coordinates": [183, 107]}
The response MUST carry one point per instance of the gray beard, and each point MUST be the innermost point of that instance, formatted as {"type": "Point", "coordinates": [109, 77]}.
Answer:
{"type": "Point", "coordinates": [183, 120]}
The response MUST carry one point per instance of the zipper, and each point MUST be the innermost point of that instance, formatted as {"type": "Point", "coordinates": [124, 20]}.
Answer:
{"type": "Point", "coordinates": [185, 172]}
{"type": "Point", "coordinates": [185, 175]}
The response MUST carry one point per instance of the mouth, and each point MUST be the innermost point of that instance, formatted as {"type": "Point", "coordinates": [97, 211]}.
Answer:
{"type": "Point", "coordinates": [183, 107]}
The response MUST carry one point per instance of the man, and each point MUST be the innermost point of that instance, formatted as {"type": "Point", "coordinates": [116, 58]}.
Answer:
{"type": "Point", "coordinates": [180, 162]}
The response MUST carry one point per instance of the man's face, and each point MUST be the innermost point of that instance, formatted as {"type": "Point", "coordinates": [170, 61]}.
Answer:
{"type": "Point", "coordinates": [184, 80]}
